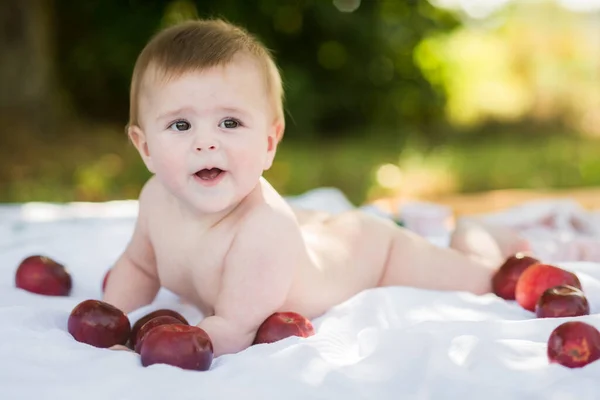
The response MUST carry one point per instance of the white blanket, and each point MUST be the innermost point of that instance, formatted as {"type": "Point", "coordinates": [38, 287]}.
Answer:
{"type": "Point", "coordinates": [558, 229]}
{"type": "Point", "coordinates": [385, 343]}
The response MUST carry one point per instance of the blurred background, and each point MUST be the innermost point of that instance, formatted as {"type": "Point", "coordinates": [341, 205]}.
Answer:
{"type": "Point", "coordinates": [410, 99]}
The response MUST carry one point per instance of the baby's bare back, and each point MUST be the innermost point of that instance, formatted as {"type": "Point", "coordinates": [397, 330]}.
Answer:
{"type": "Point", "coordinates": [339, 255]}
{"type": "Point", "coordinates": [349, 251]}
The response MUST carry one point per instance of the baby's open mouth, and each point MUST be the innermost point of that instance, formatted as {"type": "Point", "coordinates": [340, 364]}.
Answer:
{"type": "Point", "coordinates": [209, 174]}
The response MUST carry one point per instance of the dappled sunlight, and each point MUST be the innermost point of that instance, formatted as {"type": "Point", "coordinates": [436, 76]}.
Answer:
{"type": "Point", "coordinates": [383, 99]}
{"type": "Point", "coordinates": [347, 5]}
{"type": "Point", "coordinates": [581, 5]}
{"type": "Point", "coordinates": [416, 176]}
{"type": "Point", "coordinates": [314, 373]}
{"type": "Point", "coordinates": [512, 66]}
{"type": "Point", "coordinates": [476, 71]}
{"type": "Point", "coordinates": [389, 176]}
{"type": "Point", "coordinates": [321, 370]}
{"type": "Point", "coordinates": [474, 9]}
{"type": "Point", "coordinates": [393, 105]}
{"type": "Point", "coordinates": [461, 347]}
{"type": "Point", "coordinates": [522, 355]}
{"type": "Point", "coordinates": [485, 8]}
{"type": "Point", "coordinates": [521, 359]}
{"type": "Point", "coordinates": [443, 312]}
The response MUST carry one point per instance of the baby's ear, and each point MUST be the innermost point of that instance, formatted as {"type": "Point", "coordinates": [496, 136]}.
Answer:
{"type": "Point", "coordinates": [275, 135]}
{"type": "Point", "coordinates": [138, 138]}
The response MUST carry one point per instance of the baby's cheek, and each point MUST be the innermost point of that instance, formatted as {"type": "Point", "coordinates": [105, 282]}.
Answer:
{"type": "Point", "coordinates": [169, 167]}
{"type": "Point", "coordinates": [251, 159]}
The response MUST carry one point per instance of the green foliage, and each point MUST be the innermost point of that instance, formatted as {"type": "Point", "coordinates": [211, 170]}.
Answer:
{"type": "Point", "coordinates": [359, 98]}
{"type": "Point", "coordinates": [345, 74]}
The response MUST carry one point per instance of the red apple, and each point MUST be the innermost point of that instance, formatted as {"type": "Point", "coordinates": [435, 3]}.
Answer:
{"type": "Point", "coordinates": [158, 313]}
{"type": "Point", "coordinates": [42, 275]}
{"type": "Point", "coordinates": [147, 327]}
{"type": "Point", "coordinates": [179, 345]}
{"type": "Point", "coordinates": [99, 324]}
{"type": "Point", "coordinates": [562, 301]}
{"type": "Point", "coordinates": [505, 279]}
{"type": "Point", "coordinates": [574, 344]}
{"type": "Point", "coordinates": [105, 280]}
{"type": "Point", "coordinates": [281, 325]}
{"type": "Point", "coordinates": [539, 277]}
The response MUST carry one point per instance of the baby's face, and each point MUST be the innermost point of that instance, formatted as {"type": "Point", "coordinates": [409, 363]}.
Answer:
{"type": "Point", "coordinates": [209, 134]}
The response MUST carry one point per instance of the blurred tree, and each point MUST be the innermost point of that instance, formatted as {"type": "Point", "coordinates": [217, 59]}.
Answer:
{"type": "Point", "coordinates": [28, 95]}
{"type": "Point", "coordinates": [346, 73]}
{"type": "Point", "coordinates": [30, 106]}
{"type": "Point", "coordinates": [97, 43]}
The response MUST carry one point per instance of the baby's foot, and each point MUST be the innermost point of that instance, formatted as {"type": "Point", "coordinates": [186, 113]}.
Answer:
{"type": "Point", "coordinates": [493, 243]}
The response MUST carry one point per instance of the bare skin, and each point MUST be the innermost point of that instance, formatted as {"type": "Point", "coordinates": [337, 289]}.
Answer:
{"type": "Point", "coordinates": [263, 257]}
{"type": "Point", "coordinates": [213, 231]}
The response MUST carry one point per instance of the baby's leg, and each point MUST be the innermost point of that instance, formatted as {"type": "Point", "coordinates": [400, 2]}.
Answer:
{"type": "Point", "coordinates": [414, 261]}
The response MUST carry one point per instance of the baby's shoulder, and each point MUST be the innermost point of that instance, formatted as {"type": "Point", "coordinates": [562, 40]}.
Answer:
{"type": "Point", "coordinates": [151, 195]}
{"type": "Point", "coordinates": [150, 189]}
{"type": "Point", "coordinates": [152, 203]}
{"type": "Point", "coordinates": [264, 223]}
{"type": "Point", "coordinates": [266, 238]}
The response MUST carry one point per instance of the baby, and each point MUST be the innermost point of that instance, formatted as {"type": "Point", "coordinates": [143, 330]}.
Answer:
{"type": "Point", "coordinates": [206, 117]}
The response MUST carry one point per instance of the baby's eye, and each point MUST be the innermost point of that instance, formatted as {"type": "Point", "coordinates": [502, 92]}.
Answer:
{"type": "Point", "coordinates": [229, 123]}
{"type": "Point", "coordinates": [180, 126]}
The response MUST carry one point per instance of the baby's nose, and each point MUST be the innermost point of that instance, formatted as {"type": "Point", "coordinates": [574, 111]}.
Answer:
{"type": "Point", "coordinates": [207, 146]}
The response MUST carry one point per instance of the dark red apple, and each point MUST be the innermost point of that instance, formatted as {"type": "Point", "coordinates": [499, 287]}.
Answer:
{"type": "Point", "coordinates": [42, 275]}
{"type": "Point", "coordinates": [147, 327]}
{"type": "Point", "coordinates": [158, 313]}
{"type": "Point", "coordinates": [539, 277]}
{"type": "Point", "coordinates": [105, 280]}
{"type": "Point", "coordinates": [179, 345]}
{"type": "Point", "coordinates": [99, 324]}
{"type": "Point", "coordinates": [562, 301]}
{"type": "Point", "coordinates": [574, 344]}
{"type": "Point", "coordinates": [505, 279]}
{"type": "Point", "coordinates": [281, 325]}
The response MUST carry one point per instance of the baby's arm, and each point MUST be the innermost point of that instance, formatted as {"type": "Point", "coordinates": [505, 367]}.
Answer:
{"type": "Point", "coordinates": [258, 273]}
{"type": "Point", "coordinates": [133, 281]}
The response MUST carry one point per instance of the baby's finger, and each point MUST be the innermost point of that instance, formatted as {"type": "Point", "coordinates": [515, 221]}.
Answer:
{"type": "Point", "coordinates": [120, 347]}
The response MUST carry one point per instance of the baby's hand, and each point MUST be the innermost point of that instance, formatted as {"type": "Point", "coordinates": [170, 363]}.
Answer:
{"type": "Point", "coordinates": [120, 347]}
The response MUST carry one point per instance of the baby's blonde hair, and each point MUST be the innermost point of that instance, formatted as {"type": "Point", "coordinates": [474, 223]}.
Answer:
{"type": "Point", "coordinates": [198, 45]}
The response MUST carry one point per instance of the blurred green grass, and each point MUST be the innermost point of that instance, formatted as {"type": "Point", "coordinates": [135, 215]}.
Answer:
{"type": "Point", "coordinates": [100, 167]}
{"type": "Point", "coordinates": [467, 165]}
